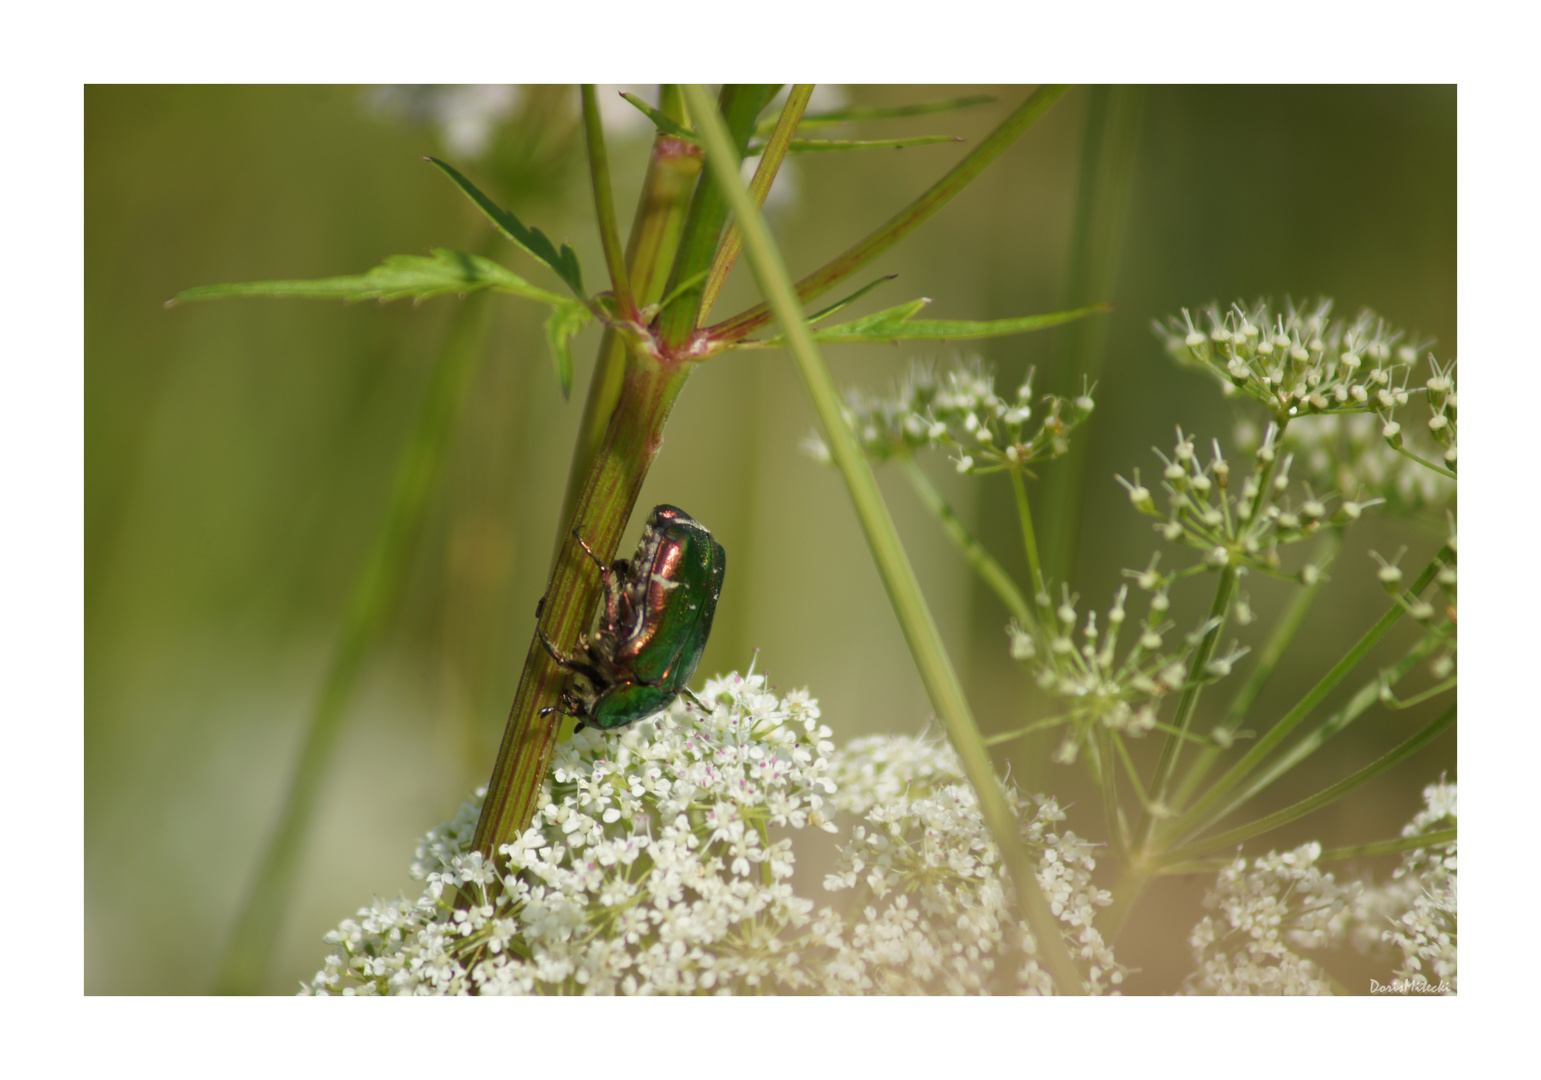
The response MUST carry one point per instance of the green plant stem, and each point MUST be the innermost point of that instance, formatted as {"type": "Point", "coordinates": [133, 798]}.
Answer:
{"type": "Point", "coordinates": [1171, 750]}
{"type": "Point", "coordinates": [1419, 698]}
{"type": "Point", "coordinates": [1283, 634]}
{"type": "Point", "coordinates": [1037, 725]}
{"type": "Point", "coordinates": [898, 575]}
{"type": "Point", "coordinates": [1110, 808]}
{"type": "Point", "coordinates": [370, 608]}
{"type": "Point", "coordinates": [1201, 809]}
{"type": "Point", "coordinates": [1131, 882]}
{"type": "Point", "coordinates": [604, 204]}
{"type": "Point", "coordinates": [1343, 854]}
{"type": "Point", "coordinates": [1029, 542]}
{"type": "Point", "coordinates": [905, 221]}
{"type": "Point", "coordinates": [1424, 840]}
{"type": "Point", "coordinates": [708, 213]}
{"type": "Point", "coordinates": [608, 493]}
{"type": "Point", "coordinates": [655, 234]}
{"type": "Point", "coordinates": [604, 505]}
{"type": "Point", "coordinates": [1108, 153]}
{"type": "Point", "coordinates": [854, 113]}
{"type": "Point", "coordinates": [1363, 698]}
{"type": "Point", "coordinates": [1405, 452]}
{"type": "Point", "coordinates": [1225, 592]}
{"type": "Point", "coordinates": [1326, 797]}
{"type": "Point", "coordinates": [1389, 847]}
{"type": "Point", "coordinates": [771, 157]}
{"type": "Point", "coordinates": [993, 574]}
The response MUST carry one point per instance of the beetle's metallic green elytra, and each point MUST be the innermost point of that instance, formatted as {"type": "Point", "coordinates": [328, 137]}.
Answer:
{"type": "Point", "coordinates": [658, 610]}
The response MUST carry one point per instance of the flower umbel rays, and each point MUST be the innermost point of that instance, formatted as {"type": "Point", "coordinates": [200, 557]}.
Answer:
{"type": "Point", "coordinates": [1353, 453]}
{"type": "Point", "coordinates": [1079, 663]}
{"type": "Point", "coordinates": [1240, 525]}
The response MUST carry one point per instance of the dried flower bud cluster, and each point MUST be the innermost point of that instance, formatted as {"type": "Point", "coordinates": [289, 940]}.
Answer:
{"type": "Point", "coordinates": [651, 868]}
{"type": "Point", "coordinates": [1239, 524]}
{"type": "Point", "coordinates": [959, 410]}
{"type": "Point", "coordinates": [1097, 686]}
{"type": "Point", "coordinates": [1440, 395]}
{"type": "Point", "coordinates": [1297, 362]}
{"type": "Point", "coordinates": [1351, 453]}
{"type": "Point", "coordinates": [1301, 365]}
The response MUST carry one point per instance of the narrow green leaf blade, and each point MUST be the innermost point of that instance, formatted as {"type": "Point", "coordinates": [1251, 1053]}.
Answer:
{"type": "Point", "coordinates": [892, 112]}
{"type": "Point", "coordinates": [562, 324]}
{"type": "Point", "coordinates": [899, 324]}
{"type": "Point", "coordinates": [534, 242]}
{"type": "Point", "coordinates": [849, 300]}
{"type": "Point", "coordinates": [661, 121]}
{"type": "Point", "coordinates": [818, 146]}
{"type": "Point", "coordinates": [398, 277]}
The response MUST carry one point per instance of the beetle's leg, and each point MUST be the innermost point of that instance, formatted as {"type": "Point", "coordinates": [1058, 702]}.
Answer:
{"type": "Point", "coordinates": [685, 692]}
{"type": "Point", "coordinates": [587, 670]}
{"type": "Point", "coordinates": [540, 605]}
{"type": "Point", "coordinates": [567, 706]}
{"type": "Point", "coordinates": [604, 571]}
{"type": "Point", "coordinates": [617, 603]}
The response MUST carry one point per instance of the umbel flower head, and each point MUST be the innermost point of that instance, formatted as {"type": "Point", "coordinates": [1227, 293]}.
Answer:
{"type": "Point", "coordinates": [1298, 361]}
{"type": "Point", "coordinates": [652, 867]}
{"type": "Point", "coordinates": [1245, 523]}
{"type": "Point", "coordinates": [1351, 454]}
{"type": "Point", "coordinates": [1079, 662]}
{"type": "Point", "coordinates": [1301, 365]}
{"type": "Point", "coordinates": [1269, 912]}
{"type": "Point", "coordinates": [957, 409]}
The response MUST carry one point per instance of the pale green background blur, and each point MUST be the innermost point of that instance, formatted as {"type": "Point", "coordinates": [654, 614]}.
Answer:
{"type": "Point", "coordinates": [239, 456]}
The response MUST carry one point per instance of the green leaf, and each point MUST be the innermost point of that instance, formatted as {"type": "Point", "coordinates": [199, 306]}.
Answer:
{"type": "Point", "coordinates": [815, 146]}
{"type": "Point", "coordinates": [565, 321]}
{"type": "Point", "coordinates": [899, 324]}
{"type": "Point", "coordinates": [660, 121]}
{"type": "Point", "coordinates": [534, 242]}
{"type": "Point", "coordinates": [396, 278]}
{"type": "Point", "coordinates": [873, 112]}
{"type": "Point", "coordinates": [849, 300]}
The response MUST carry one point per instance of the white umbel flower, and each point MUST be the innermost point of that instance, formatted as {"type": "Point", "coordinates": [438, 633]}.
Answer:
{"type": "Point", "coordinates": [1270, 911]}
{"type": "Point", "coordinates": [660, 860]}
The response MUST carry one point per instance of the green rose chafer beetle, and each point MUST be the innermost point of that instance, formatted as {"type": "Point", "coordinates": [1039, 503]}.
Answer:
{"type": "Point", "coordinates": [658, 609]}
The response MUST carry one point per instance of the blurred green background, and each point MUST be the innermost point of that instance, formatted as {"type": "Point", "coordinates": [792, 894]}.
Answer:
{"type": "Point", "coordinates": [240, 454]}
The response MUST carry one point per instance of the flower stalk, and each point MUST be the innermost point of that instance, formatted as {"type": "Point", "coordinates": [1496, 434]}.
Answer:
{"type": "Point", "coordinates": [905, 221]}
{"type": "Point", "coordinates": [604, 506]}
{"type": "Point", "coordinates": [672, 170]}
{"type": "Point", "coordinates": [1238, 772]}
{"type": "Point", "coordinates": [1242, 833]}
{"type": "Point", "coordinates": [898, 575]}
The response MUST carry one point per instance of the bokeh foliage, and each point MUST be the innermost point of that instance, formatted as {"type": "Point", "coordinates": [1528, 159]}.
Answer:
{"type": "Point", "coordinates": [239, 457]}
